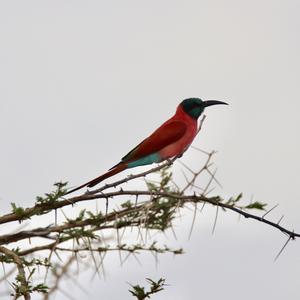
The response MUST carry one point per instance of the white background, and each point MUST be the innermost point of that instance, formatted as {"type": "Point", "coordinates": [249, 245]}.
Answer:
{"type": "Point", "coordinates": [82, 82]}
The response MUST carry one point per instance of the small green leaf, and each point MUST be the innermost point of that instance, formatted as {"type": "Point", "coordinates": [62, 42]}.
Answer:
{"type": "Point", "coordinates": [256, 205]}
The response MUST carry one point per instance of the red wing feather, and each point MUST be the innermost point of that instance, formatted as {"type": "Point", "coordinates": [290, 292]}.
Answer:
{"type": "Point", "coordinates": [165, 135]}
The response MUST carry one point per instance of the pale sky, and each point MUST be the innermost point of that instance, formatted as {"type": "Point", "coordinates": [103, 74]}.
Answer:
{"type": "Point", "coordinates": [82, 82]}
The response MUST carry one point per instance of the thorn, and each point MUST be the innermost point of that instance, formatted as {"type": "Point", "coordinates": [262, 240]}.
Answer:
{"type": "Point", "coordinates": [188, 168]}
{"type": "Point", "coordinates": [71, 201]}
{"type": "Point", "coordinates": [138, 261]}
{"type": "Point", "coordinates": [285, 244]}
{"type": "Point", "coordinates": [119, 245]}
{"type": "Point", "coordinates": [269, 211]}
{"type": "Point", "coordinates": [198, 149]}
{"type": "Point", "coordinates": [202, 206]}
{"type": "Point", "coordinates": [174, 233]}
{"type": "Point", "coordinates": [193, 221]}
{"type": "Point", "coordinates": [125, 259]}
{"type": "Point", "coordinates": [215, 222]}
{"type": "Point", "coordinates": [55, 217]}
{"type": "Point", "coordinates": [280, 219]}
{"type": "Point", "coordinates": [213, 175]}
{"type": "Point", "coordinates": [106, 207]}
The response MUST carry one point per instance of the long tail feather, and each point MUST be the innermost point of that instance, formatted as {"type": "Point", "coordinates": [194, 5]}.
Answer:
{"type": "Point", "coordinates": [117, 169]}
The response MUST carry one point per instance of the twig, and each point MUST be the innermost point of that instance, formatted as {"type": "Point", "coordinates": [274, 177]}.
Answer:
{"type": "Point", "coordinates": [4, 239]}
{"type": "Point", "coordinates": [21, 271]}
{"type": "Point", "coordinates": [58, 276]}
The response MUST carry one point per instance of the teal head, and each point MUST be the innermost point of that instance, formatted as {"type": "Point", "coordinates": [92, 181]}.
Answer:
{"type": "Point", "coordinates": [194, 107]}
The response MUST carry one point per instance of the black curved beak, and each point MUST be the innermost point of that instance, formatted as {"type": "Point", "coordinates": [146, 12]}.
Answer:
{"type": "Point", "coordinates": [213, 102]}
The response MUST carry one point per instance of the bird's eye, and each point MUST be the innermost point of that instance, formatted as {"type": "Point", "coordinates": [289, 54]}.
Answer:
{"type": "Point", "coordinates": [194, 105]}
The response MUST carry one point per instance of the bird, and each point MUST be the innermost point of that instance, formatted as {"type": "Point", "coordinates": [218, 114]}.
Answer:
{"type": "Point", "coordinates": [170, 140]}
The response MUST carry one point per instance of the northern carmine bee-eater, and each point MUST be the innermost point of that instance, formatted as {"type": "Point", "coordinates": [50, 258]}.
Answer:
{"type": "Point", "coordinates": [171, 139]}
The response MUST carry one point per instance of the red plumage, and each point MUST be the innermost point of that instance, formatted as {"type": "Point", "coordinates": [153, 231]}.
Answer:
{"type": "Point", "coordinates": [172, 138]}
{"type": "Point", "coordinates": [168, 133]}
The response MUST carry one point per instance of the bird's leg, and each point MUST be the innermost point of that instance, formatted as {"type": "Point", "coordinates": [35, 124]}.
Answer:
{"type": "Point", "coordinates": [169, 161]}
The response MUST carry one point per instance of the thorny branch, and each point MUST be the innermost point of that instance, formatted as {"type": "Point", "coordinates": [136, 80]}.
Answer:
{"type": "Point", "coordinates": [58, 274]}
{"type": "Point", "coordinates": [139, 211]}
{"type": "Point", "coordinates": [179, 199]}
{"type": "Point", "coordinates": [22, 288]}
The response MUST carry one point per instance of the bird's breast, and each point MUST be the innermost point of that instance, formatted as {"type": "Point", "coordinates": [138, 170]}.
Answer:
{"type": "Point", "coordinates": [182, 144]}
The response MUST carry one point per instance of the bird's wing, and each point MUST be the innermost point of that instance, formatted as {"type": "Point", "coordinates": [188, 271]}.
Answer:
{"type": "Point", "coordinates": [168, 133]}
